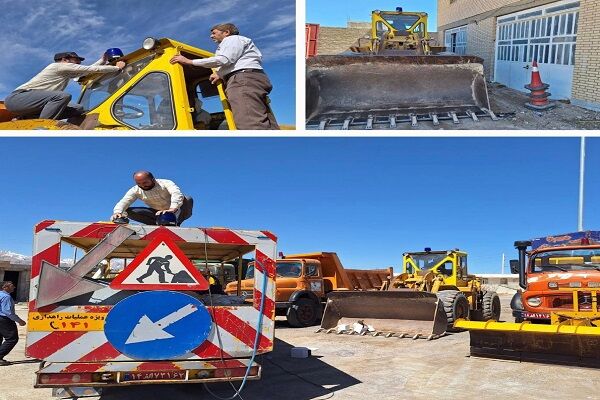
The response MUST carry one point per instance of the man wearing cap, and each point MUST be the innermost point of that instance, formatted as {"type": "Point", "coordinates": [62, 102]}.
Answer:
{"type": "Point", "coordinates": [44, 96]}
{"type": "Point", "coordinates": [239, 64]}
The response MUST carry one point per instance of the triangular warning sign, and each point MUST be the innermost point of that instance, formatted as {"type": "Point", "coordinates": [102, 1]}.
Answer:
{"type": "Point", "coordinates": [160, 266]}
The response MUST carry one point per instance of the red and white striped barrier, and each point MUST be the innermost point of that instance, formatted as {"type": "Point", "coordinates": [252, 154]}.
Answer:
{"type": "Point", "coordinates": [85, 348]}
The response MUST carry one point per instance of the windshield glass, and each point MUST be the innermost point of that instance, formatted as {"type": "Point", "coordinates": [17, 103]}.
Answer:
{"type": "Point", "coordinates": [566, 260]}
{"type": "Point", "coordinates": [289, 269]}
{"type": "Point", "coordinates": [250, 272]}
{"type": "Point", "coordinates": [427, 261]}
{"type": "Point", "coordinates": [401, 22]}
{"type": "Point", "coordinates": [106, 84]}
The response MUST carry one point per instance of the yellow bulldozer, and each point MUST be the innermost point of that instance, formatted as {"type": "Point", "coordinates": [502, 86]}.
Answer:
{"type": "Point", "coordinates": [424, 301]}
{"type": "Point", "coordinates": [395, 75]}
{"type": "Point", "coordinates": [149, 94]}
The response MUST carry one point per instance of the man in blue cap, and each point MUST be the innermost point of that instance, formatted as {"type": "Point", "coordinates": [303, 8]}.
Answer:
{"type": "Point", "coordinates": [44, 97]}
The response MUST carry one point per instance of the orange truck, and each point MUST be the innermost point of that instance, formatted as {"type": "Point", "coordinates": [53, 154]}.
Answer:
{"type": "Point", "coordinates": [557, 267]}
{"type": "Point", "coordinates": [304, 280]}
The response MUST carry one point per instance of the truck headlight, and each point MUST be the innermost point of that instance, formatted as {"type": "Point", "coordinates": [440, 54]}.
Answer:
{"type": "Point", "coordinates": [593, 284]}
{"type": "Point", "coordinates": [534, 301]}
{"type": "Point", "coordinates": [553, 285]}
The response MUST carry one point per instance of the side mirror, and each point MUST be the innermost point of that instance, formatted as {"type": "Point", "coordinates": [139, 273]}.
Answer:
{"type": "Point", "coordinates": [514, 266]}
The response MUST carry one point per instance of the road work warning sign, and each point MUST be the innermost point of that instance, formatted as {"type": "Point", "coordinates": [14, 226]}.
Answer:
{"type": "Point", "coordinates": [160, 266]}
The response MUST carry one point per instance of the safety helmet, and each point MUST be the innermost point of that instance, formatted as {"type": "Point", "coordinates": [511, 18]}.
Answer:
{"type": "Point", "coordinates": [166, 219]}
{"type": "Point", "coordinates": [113, 53]}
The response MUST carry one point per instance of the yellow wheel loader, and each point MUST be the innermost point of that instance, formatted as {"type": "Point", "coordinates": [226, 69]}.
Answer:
{"type": "Point", "coordinates": [557, 313]}
{"type": "Point", "coordinates": [433, 291]}
{"type": "Point", "coordinates": [394, 76]}
{"type": "Point", "coordinates": [150, 93]}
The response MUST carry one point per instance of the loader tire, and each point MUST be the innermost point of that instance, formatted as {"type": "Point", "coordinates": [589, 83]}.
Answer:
{"type": "Point", "coordinates": [302, 313]}
{"type": "Point", "coordinates": [456, 306]}
{"type": "Point", "coordinates": [490, 306]}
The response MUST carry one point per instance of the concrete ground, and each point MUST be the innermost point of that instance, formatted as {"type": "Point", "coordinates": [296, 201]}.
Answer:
{"type": "Point", "coordinates": [356, 367]}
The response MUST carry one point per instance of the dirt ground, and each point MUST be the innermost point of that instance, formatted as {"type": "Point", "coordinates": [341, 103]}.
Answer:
{"type": "Point", "coordinates": [356, 367]}
{"type": "Point", "coordinates": [508, 104]}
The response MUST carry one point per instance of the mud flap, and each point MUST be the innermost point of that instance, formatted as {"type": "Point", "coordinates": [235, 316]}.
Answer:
{"type": "Point", "coordinates": [555, 344]}
{"type": "Point", "coordinates": [360, 86]}
{"type": "Point", "coordinates": [404, 313]}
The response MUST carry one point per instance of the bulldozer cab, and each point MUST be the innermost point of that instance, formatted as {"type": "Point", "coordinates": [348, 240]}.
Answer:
{"type": "Point", "coordinates": [152, 94]}
{"type": "Point", "coordinates": [396, 24]}
{"type": "Point", "coordinates": [451, 265]}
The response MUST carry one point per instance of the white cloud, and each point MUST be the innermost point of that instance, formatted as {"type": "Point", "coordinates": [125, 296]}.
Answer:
{"type": "Point", "coordinates": [279, 50]}
{"type": "Point", "coordinates": [281, 22]}
{"type": "Point", "coordinates": [210, 9]}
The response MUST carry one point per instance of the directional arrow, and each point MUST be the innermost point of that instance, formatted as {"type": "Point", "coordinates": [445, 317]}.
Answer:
{"type": "Point", "coordinates": [146, 330]}
{"type": "Point", "coordinates": [56, 284]}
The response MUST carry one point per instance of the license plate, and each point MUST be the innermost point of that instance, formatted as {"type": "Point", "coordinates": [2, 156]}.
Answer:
{"type": "Point", "coordinates": [530, 315]}
{"type": "Point", "coordinates": [153, 376]}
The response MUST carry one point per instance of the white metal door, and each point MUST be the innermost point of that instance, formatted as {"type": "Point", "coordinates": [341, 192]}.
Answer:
{"type": "Point", "coordinates": [547, 34]}
{"type": "Point", "coordinates": [455, 40]}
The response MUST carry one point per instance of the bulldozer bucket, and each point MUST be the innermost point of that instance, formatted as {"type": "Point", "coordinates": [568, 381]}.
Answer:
{"type": "Point", "coordinates": [564, 344]}
{"type": "Point", "coordinates": [399, 313]}
{"type": "Point", "coordinates": [375, 91]}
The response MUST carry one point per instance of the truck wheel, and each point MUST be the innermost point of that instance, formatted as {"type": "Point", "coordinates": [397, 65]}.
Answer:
{"type": "Point", "coordinates": [456, 306]}
{"type": "Point", "coordinates": [491, 306]}
{"type": "Point", "coordinates": [302, 313]}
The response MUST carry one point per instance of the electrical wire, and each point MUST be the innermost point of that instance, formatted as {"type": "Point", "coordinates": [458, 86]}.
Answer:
{"type": "Point", "coordinates": [258, 330]}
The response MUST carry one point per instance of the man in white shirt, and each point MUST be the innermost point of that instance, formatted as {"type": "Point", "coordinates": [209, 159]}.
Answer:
{"type": "Point", "coordinates": [44, 97]}
{"type": "Point", "coordinates": [163, 198]}
{"type": "Point", "coordinates": [239, 64]}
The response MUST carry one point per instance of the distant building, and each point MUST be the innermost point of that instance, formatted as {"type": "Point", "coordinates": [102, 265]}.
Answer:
{"type": "Point", "coordinates": [562, 35]}
{"type": "Point", "coordinates": [501, 283]}
{"type": "Point", "coordinates": [19, 275]}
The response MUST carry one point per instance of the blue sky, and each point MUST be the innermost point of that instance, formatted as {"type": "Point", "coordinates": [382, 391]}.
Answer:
{"type": "Point", "coordinates": [368, 199]}
{"type": "Point", "coordinates": [338, 13]}
{"type": "Point", "coordinates": [33, 31]}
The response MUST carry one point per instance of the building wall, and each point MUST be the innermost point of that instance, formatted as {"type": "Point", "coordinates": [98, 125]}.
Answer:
{"type": "Point", "coordinates": [480, 39]}
{"type": "Point", "coordinates": [333, 40]}
{"type": "Point", "coordinates": [450, 11]}
{"type": "Point", "coordinates": [586, 78]}
{"type": "Point", "coordinates": [480, 18]}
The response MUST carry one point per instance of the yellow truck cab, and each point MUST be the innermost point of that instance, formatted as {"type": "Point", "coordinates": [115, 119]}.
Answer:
{"type": "Point", "coordinates": [304, 280]}
{"type": "Point", "coordinates": [150, 93]}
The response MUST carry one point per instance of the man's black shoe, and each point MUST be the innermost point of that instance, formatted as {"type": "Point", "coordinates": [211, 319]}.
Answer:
{"type": "Point", "coordinates": [121, 220]}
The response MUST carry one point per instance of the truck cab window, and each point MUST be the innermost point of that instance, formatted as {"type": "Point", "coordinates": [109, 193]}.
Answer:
{"type": "Point", "coordinates": [312, 270]}
{"type": "Point", "coordinates": [148, 104]}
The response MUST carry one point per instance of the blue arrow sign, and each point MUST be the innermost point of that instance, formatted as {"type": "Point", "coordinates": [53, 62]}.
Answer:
{"type": "Point", "coordinates": [157, 325]}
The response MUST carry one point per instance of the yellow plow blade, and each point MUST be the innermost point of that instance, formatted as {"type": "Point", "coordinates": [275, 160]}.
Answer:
{"type": "Point", "coordinates": [396, 313]}
{"type": "Point", "coordinates": [564, 344]}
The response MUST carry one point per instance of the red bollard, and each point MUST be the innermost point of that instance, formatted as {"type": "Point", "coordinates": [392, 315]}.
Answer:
{"type": "Point", "coordinates": [538, 96]}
